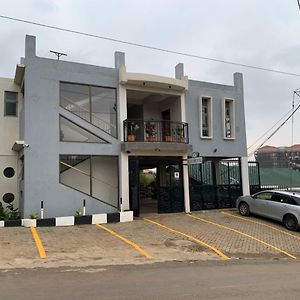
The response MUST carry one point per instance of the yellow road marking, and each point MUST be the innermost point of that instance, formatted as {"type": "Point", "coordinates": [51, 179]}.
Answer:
{"type": "Point", "coordinates": [38, 242]}
{"type": "Point", "coordinates": [189, 237]}
{"type": "Point", "coordinates": [260, 223]}
{"type": "Point", "coordinates": [244, 234]}
{"type": "Point", "coordinates": [135, 246]}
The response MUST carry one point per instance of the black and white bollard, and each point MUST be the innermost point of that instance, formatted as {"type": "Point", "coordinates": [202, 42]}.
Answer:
{"type": "Point", "coordinates": [83, 208]}
{"type": "Point", "coordinates": [42, 209]}
{"type": "Point", "coordinates": [121, 205]}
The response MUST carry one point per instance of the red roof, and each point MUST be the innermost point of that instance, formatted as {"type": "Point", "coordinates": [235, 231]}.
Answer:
{"type": "Point", "coordinates": [268, 148]}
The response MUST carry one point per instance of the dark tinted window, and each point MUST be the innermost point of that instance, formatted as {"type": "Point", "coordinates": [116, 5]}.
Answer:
{"type": "Point", "coordinates": [9, 172]}
{"type": "Point", "coordinates": [284, 199]}
{"type": "Point", "coordinates": [10, 103]}
{"type": "Point", "coordinates": [8, 197]}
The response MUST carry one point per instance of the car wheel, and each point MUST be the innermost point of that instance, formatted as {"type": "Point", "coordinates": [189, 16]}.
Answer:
{"type": "Point", "coordinates": [290, 222]}
{"type": "Point", "coordinates": [244, 209]}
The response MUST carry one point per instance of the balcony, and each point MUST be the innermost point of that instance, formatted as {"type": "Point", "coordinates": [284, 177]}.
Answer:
{"type": "Point", "coordinates": [155, 135]}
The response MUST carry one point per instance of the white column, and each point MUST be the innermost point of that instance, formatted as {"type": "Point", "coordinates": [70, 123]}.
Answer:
{"type": "Point", "coordinates": [124, 181]}
{"type": "Point", "coordinates": [186, 185]}
{"type": "Point", "coordinates": [122, 110]}
{"type": "Point", "coordinates": [182, 104]}
{"type": "Point", "coordinates": [245, 176]}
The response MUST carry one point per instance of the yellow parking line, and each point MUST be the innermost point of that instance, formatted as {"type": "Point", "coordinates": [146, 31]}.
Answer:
{"type": "Point", "coordinates": [38, 242]}
{"type": "Point", "coordinates": [260, 223]}
{"type": "Point", "coordinates": [189, 237]}
{"type": "Point", "coordinates": [135, 246]}
{"type": "Point", "coordinates": [245, 234]}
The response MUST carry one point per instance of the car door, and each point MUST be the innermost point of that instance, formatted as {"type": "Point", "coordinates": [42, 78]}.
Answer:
{"type": "Point", "coordinates": [278, 206]}
{"type": "Point", "coordinates": [260, 203]}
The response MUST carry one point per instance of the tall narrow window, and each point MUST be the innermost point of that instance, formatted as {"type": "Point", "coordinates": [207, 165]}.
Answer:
{"type": "Point", "coordinates": [205, 116]}
{"type": "Point", "coordinates": [10, 103]}
{"type": "Point", "coordinates": [228, 118]}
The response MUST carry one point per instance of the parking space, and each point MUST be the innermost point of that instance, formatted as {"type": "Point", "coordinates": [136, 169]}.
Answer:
{"type": "Point", "coordinates": [218, 235]}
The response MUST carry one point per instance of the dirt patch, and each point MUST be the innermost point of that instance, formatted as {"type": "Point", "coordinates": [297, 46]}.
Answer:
{"type": "Point", "coordinates": [184, 245]}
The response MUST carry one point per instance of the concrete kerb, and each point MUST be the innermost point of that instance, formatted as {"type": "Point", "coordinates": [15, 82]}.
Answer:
{"type": "Point", "coordinates": [126, 216]}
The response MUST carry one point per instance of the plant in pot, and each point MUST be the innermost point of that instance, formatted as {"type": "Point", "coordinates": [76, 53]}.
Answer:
{"type": "Point", "coordinates": [151, 132]}
{"type": "Point", "coordinates": [179, 134]}
{"type": "Point", "coordinates": [133, 128]}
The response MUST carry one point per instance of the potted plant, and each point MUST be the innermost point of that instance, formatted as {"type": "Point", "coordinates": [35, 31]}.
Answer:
{"type": "Point", "coordinates": [151, 132]}
{"type": "Point", "coordinates": [179, 134]}
{"type": "Point", "coordinates": [133, 128]}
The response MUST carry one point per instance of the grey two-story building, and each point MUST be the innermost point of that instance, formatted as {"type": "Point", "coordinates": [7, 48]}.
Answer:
{"type": "Point", "coordinates": [91, 132]}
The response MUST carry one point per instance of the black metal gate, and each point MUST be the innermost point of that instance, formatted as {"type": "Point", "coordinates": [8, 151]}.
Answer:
{"type": "Point", "coordinates": [214, 184]}
{"type": "Point", "coordinates": [169, 183]}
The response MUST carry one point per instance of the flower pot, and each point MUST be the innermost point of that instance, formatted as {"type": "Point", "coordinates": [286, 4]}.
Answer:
{"type": "Point", "coordinates": [131, 138]}
{"type": "Point", "coordinates": [151, 138]}
{"type": "Point", "coordinates": [168, 138]}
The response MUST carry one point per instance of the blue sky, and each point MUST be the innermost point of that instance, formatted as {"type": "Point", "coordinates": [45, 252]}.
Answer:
{"type": "Point", "coordinates": [264, 33]}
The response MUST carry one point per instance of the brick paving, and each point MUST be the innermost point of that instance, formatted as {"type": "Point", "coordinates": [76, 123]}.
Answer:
{"type": "Point", "coordinates": [89, 245]}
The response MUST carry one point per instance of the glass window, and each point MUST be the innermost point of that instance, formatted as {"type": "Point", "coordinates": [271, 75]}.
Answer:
{"type": "Point", "coordinates": [75, 98]}
{"type": "Point", "coordinates": [9, 172]}
{"type": "Point", "coordinates": [104, 113]}
{"type": "Point", "coordinates": [8, 198]}
{"type": "Point", "coordinates": [206, 117]}
{"type": "Point", "coordinates": [10, 103]}
{"type": "Point", "coordinates": [70, 132]}
{"type": "Point", "coordinates": [96, 176]}
{"type": "Point", "coordinates": [96, 105]}
{"type": "Point", "coordinates": [264, 196]}
{"type": "Point", "coordinates": [229, 118]}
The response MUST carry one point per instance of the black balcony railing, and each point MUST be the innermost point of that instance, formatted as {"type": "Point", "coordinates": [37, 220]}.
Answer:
{"type": "Point", "coordinates": [155, 131]}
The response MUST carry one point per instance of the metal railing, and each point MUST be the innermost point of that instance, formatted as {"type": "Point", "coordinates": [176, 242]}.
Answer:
{"type": "Point", "coordinates": [87, 180]}
{"type": "Point", "coordinates": [88, 116]}
{"type": "Point", "coordinates": [155, 131]}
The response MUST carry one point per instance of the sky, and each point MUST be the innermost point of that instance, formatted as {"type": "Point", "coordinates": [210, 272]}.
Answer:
{"type": "Point", "coordinates": [253, 32]}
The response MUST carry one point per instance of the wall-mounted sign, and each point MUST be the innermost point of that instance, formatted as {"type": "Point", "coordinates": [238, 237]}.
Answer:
{"type": "Point", "coordinates": [195, 161]}
{"type": "Point", "coordinates": [195, 154]}
{"type": "Point", "coordinates": [176, 175]}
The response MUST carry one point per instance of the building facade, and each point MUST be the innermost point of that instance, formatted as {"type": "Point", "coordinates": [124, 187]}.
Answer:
{"type": "Point", "coordinates": [88, 132]}
{"type": "Point", "coordinates": [279, 157]}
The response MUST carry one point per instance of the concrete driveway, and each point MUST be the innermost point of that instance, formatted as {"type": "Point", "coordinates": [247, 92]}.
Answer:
{"type": "Point", "coordinates": [206, 235]}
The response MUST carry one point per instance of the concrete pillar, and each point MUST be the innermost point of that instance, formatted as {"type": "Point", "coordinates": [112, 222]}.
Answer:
{"type": "Point", "coordinates": [124, 181]}
{"type": "Point", "coordinates": [119, 59]}
{"type": "Point", "coordinates": [186, 185]}
{"type": "Point", "coordinates": [238, 82]}
{"type": "Point", "coordinates": [245, 176]}
{"type": "Point", "coordinates": [30, 46]}
{"type": "Point", "coordinates": [179, 71]}
{"type": "Point", "coordinates": [183, 110]}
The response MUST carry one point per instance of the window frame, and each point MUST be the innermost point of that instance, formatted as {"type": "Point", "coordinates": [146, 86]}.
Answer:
{"type": "Point", "coordinates": [90, 86]}
{"type": "Point", "coordinates": [10, 101]}
{"type": "Point", "coordinates": [232, 115]}
{"type": "Point", "coordinates": [209, 116]}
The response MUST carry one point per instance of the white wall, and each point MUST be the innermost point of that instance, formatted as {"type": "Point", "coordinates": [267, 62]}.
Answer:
{"type": "Point", "coordinates": [9, 133]}
{"type": "Point", "coordinates": [154, 110]}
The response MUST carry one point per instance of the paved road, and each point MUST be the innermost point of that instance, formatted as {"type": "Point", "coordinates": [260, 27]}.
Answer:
{"type": "Point", "coordinates": [177, 280]}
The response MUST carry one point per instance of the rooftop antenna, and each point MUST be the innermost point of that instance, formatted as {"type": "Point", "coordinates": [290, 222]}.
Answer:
{"type": "Point", "coordinates": [58, 54]}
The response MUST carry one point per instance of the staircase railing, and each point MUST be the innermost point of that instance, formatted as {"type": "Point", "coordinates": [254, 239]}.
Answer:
{"type": "Point", "coordinates": [65, 166]}
{"type": "Point", "coordinates": [89, 116]}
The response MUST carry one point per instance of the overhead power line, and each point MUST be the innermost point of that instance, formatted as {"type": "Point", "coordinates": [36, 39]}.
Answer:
{"type": "Point", "coordinates": [151, 47]}
{"type": "Point", "coordinates": [280, 126]}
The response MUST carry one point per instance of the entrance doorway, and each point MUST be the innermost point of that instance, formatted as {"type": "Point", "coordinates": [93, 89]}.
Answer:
{"type": "Point", "coordinates": [156, 185]}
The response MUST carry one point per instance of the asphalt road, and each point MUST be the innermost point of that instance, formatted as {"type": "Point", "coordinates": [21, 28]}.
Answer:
{"type": "Point", "coordinates": [178, 280]}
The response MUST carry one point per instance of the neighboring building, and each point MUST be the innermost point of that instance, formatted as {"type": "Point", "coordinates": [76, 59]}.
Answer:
{"type": "Point", "coordinates": [278, 157]}
{"type": "Point", "coordinates": [10, 105]}
{"type": "Point", "coordinates": [86, 132]}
